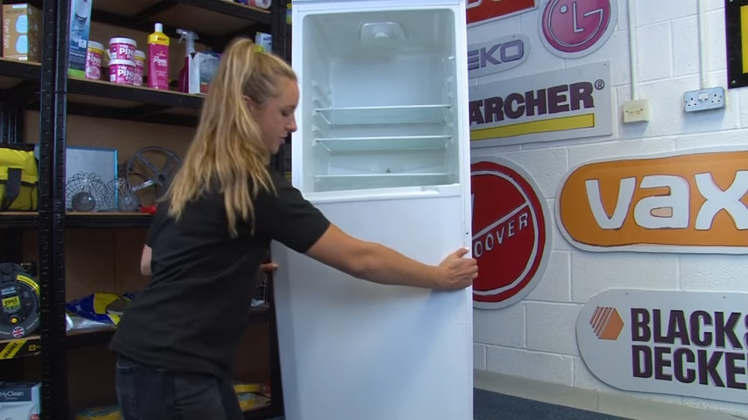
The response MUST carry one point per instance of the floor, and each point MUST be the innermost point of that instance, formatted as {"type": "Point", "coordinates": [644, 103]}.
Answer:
{"type": "Point", "coordinates": [492, 406]}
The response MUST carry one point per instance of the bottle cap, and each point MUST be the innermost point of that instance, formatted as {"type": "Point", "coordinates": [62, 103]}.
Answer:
{"type": "Point", "coordinates": [159, 27]}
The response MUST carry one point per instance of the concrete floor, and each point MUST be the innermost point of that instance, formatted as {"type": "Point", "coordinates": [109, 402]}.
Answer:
{"type": "Point", "coordinates": [493, 406]}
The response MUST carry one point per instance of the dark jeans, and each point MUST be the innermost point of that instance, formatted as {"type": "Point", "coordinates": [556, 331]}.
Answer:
{"type": "Point", "coordinates": [147, 393]}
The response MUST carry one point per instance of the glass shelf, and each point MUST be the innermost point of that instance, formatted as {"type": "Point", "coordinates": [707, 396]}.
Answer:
{"type": "Point", "coordinates": [416, 114]}
{"type": "Point", "coordinates": [367, 181]}
{"type": "Point", "coordinates": [372, 144]}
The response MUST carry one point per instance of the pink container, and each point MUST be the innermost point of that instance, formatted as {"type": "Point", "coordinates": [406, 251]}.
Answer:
{"type": "Point", "coordinates": [94, 57]}
{"type": "Point", "coordinates": [139, 67]}
{"type": "Point", "coordinates": [122, 48]}
{"type": "Point", "coordinates": [122, 72]}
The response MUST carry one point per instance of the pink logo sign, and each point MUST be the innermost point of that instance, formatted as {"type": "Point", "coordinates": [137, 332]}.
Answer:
{"type": "Point", "coordinates": [575, 28]}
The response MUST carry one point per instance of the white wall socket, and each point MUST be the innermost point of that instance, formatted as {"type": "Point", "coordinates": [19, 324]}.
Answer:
{"type": "Point", "coordinates": [635, 111]}
{"type": "Point", "coordinates": [704, 99]}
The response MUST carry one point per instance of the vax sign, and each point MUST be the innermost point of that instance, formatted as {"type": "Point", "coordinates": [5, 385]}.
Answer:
{"type": "Point", "coordinates": [567, 103]}
{"type": "Point", "coordinates": [691, 344]}
{"type": "Point", "coordinates": [687, 202]}
{"type": "Point", "coordinates": [498, 55]}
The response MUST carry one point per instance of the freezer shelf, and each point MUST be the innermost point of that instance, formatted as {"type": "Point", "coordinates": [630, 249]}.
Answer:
{"type": "Point", "coordinates": [416, 114]}
{"type": "Point", "coordinates": [377, 144]}
{"type": "Point", "coordinates": [366, 181]}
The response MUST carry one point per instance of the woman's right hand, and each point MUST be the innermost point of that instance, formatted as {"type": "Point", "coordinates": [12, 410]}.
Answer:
{"type": "Point", "coordinates": [456, 271]}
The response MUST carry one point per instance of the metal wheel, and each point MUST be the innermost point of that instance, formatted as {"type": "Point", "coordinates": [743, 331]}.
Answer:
{"type": "Point", "coordinates": [151, 167]}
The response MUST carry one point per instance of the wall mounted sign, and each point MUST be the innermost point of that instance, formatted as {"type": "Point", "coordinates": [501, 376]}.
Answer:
{"type": "Point", "coordinates": [510, 232]}
{"type": "Point", "coordinates": [690, 344]}
{"type": "Point", "coordinates": [692, 201]}
{"type": "Point", "coordinates": [576, 28]}
{"type": "Point", "coordinates": [574, 102]}
{"type": "Point", "coordinates": [484, 11]}
{"type": "Point", "coordinates": [498, 55]}
{"type": "Point", "coordinates": [736, 36]}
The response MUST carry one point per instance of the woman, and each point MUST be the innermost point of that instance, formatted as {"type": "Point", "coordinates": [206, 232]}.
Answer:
{"type": "Point", "coordinates": [176, 343]}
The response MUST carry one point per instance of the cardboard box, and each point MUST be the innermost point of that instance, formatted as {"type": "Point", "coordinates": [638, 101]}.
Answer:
{"type": "Point", "coordinates": [79, 29]}
{"type": "Point", "coordinates": [21, 32]}
{"type": "Point", "coordinates": [20, 400]}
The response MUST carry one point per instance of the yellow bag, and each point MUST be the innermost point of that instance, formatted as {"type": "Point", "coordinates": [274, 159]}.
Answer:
{"type": "Point", "coordinates": [19, 178]}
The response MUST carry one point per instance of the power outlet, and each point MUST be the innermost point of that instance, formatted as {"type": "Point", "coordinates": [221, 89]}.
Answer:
{"type": "Point", "coordinates": [635, 111]}
{"type": "Point", "coordinates": [704, 99]}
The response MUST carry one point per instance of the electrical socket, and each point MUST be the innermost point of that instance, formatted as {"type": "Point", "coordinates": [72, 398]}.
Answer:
{"type": "Point", "coordinates": [704, 99]}
{"type": "Point", "coordinates": [635, 111]}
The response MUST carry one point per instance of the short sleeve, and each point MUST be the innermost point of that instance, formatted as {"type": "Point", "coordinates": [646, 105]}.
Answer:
{"type": "Point", "coordinates": [288, 218]}
{"type": "Point", "coordinates": [153, 229]}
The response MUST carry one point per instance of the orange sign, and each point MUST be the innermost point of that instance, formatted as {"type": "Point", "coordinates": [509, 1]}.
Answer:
{"type": "Point", "coordinates": [689, 202]}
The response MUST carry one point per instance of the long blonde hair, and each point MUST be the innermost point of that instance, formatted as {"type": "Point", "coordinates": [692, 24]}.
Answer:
{"type": "Point", "coordinates": [228, 151]}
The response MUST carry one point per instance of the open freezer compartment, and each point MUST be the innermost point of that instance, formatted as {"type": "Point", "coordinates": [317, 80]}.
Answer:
{"type": "Point", "coordinates": [379, 101]}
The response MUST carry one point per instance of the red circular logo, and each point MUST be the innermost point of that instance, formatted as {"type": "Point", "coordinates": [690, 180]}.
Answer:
{"type": "Point", "coordinates": [575, 28]}
{"type": "Point", "coordinates": [509, 233]}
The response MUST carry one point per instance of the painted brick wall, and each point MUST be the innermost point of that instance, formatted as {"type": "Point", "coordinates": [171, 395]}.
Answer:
{"type": "Point", "coordinates": [535, 338]}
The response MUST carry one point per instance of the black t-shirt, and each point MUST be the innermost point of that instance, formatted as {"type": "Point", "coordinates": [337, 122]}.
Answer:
{"type": "Point", "coordinates": [191, 316]}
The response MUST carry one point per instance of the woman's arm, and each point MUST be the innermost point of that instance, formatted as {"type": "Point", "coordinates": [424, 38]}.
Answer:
{"type": "Point", "coordinates": [380, 264]}
{"type": "Point", "coordinates": [145, 261]}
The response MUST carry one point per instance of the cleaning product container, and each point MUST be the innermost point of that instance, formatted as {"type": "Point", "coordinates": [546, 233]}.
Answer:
{"type": "Point", "coordinates": [158, 59]}
{"type": "Point", "coordinates": [121, 48]}
{"type": "Point", "coordinates": [94, 58]}
{"type": "Point", "coordinates": [139, 68]}
{"type": "Point", "coordinates": [122, 72]}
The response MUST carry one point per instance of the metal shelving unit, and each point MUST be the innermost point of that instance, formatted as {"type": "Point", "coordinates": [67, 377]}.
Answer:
{"type": "Point", "coordinates": [45, 87]}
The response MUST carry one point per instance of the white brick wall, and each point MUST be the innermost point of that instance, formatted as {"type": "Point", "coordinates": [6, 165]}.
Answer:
{"type": "Point", "coordinates": [535, 338]}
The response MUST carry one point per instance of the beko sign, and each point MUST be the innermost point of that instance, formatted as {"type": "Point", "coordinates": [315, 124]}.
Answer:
{"type": "Point", "coordinates": [497, 55]}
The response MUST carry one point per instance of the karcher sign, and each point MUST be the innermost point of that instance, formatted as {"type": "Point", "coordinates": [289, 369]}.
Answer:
{"type": "Point", "coordinates": [691, 344]}
{"type": "Point", "coordinates": [561, 104]}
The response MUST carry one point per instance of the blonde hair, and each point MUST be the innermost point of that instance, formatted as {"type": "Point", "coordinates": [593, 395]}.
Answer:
{"type": "Point", "coordinates": [228, 152]}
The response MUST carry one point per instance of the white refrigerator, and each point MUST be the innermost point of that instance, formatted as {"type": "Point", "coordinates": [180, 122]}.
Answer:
{"type": "Point", "coordinates": [382, 149]}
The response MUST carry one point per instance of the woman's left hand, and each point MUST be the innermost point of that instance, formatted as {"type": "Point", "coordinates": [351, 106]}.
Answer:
{"type": "Point", "coordinates": [267, 267]}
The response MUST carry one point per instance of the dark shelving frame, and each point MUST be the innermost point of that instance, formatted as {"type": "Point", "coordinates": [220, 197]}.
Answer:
{"type": "Point", "coordinates": [46, 88]}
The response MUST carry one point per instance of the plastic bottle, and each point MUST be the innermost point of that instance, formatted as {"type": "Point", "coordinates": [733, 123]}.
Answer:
{"type": "Point", "coordinates": [184, 75]}
{"type": "Point", "coordinates": [158, 59]}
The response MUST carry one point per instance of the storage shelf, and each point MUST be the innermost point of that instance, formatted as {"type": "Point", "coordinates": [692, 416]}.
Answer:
{"type": "Point", "coordinates": [210, 19]}
{"type": "Point", "coordinates": [374, 144]}
{"type": "Point", "coordinates": [365, 181]}
{"type": "Point", "coordinates": [103, 99]}
{"type": "Point", "coordinates": [127, 93]}
{"type": "Point", "coordinates": [19, 220]}
{"type": "Point", "coordinates": [416, 114]}
{"type": "Point", "coordinates": [13, 72]}
{"type": "Point", "coordinates": [86, 337]}
{"type": "Point", "coordinates": [30, 220]}
{"type": "Point", "coordinates": [105, 220]}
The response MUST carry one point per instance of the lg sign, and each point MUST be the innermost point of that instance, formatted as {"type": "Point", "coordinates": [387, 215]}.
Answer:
{"type": "Point", "coordinates": [510, 238]}
{"type": "Point", "coordinates": [575, 28]}
{"type": "Point", "coordinates": [498, 55]}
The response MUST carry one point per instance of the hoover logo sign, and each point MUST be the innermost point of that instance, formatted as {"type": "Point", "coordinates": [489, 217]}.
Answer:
{"type": "Point", "coordinates": [510, 233]}
{"type": "Point", "coordinates": [687, 202]}
{"type": "Point", "coordinates": [569, 103]}
{"type": "Point", "coordinates": [691, 344]}
{"type": "Point", "coordinates": [497, 56]}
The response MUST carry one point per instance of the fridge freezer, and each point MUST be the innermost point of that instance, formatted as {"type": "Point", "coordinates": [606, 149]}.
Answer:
{"type": "Point", "coordinates": [379, 94]}
{"type": "Point", "coordinates": [382, 150]}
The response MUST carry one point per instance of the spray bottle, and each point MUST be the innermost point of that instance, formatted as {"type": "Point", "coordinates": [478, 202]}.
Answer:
{"type": "Point", "coordinates": [184, 75]}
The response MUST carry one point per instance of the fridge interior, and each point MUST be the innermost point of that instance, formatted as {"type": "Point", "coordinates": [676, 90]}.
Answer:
{"type": "Point", "coordinates": [379, 100]}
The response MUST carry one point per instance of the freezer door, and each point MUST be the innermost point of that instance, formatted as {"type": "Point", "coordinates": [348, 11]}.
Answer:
{"type": "Point", "coordinates": [351, 349]}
